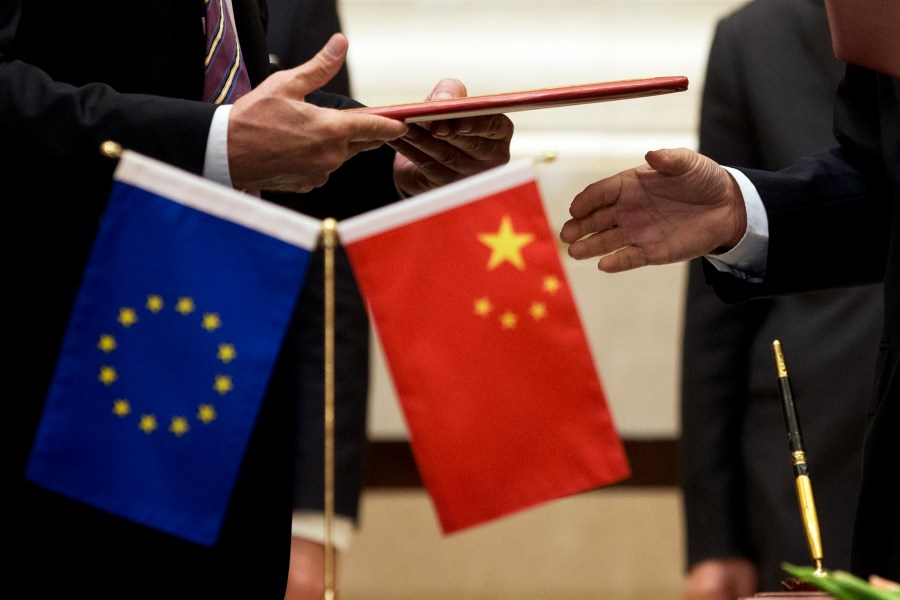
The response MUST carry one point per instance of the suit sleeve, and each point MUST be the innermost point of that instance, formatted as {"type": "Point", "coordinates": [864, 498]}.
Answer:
{"type": "Point", "coordinates": [829, 214]}
{"type": "Point", "coordinates": [51, 136]}
{"type": "Point", "coordinates": [52, 123]}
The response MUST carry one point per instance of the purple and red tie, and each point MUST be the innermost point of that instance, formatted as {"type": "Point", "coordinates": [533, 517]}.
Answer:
{"type": "Point", "coordinates": [225, 77]}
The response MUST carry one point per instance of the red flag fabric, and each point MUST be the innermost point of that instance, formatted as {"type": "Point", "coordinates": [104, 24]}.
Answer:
{"type": "Point", "coordinates": [485, 347]}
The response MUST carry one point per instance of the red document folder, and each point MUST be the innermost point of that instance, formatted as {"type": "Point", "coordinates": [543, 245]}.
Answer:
{"type": "Point", "coordinates": [453, 108]}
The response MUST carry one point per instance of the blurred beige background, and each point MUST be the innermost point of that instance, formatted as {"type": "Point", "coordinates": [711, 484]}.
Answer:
{"type": "Point", "coordinates": [623, 542]}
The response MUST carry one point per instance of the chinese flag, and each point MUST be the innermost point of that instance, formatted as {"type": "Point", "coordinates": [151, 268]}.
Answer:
{"type": "Point", "coordinates": [491, 365]}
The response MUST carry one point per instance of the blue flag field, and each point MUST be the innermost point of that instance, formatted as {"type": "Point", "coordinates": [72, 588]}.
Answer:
{"type": "Point", "coordinates": [178, 323]}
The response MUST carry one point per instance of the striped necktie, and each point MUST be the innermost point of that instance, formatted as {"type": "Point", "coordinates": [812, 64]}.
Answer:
{"type": "Point", "coordinates": [225, 78]}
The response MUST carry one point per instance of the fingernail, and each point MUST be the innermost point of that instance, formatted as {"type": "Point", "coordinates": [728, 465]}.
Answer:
{"type": "Point", "coordinates": [333, 47]}
{"type": "Point", "coordinates": [413, 132]}
{"type": "Point", "coordinates": [441, 128]}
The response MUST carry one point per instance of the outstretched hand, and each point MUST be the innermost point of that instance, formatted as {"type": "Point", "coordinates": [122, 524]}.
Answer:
{"type": "Point", "coordinates": [678, 206]}
{"type": "Point", "coordinates": [279, 142]}
{"type": "Point", "coordinates": [439, 152]}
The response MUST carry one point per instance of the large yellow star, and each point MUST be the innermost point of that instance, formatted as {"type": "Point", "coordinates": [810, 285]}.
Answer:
{"type": "Point", "coordinates": [506, 245]}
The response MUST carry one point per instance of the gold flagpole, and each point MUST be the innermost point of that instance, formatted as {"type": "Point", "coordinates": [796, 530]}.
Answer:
{"type": "Point", "coordinates": [329, 239]}
{"type": "Point", "coordinates": [111, 149]}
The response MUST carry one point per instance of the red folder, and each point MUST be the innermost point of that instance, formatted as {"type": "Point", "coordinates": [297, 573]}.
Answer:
{"type": "Point", "coordinates": [453, 108]}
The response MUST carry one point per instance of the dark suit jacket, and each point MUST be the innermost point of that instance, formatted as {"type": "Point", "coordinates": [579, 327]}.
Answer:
{"type": "Point", "coordinates": [834, 220]}
{"type": "Point", "coordinates": [72, 76]}
{"type": "Point", "coordinates": [767, 101]}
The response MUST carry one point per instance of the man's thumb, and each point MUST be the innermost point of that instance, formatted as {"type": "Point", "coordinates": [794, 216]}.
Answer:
{"type": "Point", "coordinates": [669, 161]}
{"type": "Point", "coordinates": [322, 67]}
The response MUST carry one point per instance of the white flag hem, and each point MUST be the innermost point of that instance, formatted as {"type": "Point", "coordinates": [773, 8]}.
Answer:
{"type": "Point", "coordinates": [436, 201]}
{"type": "Point", "coordinates": [220, 201]}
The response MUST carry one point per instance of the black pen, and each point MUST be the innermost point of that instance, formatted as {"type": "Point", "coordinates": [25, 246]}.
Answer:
{"type": "Point", "coordinates": [798, 458]}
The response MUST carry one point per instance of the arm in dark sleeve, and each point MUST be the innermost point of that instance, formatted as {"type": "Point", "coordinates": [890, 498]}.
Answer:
{"type": "Point", "coordinates": [829, 214]}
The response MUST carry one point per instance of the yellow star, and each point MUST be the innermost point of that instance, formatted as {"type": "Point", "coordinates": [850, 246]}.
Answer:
{"type": "Point", "coordinates": [154, 303]}
{"type": "Point", "coordinates": [121, 407]}
{"type": "Point", "coordinates": [108, 375]}
{"type": "Point", "coordinates": [483, 307]}
{"type": "Point", "coordinates": [226, 353]}
{"type": "Point", "coordinates": [508, 320]}
{"type": "Point", "coordinates": [107, 343]}
{"type": "Point", "coordinates": [185, 305]}
{"type": "Point", "coordinates": [506, 245]}
{"type": "Point", "coordinates": [551, 284]}
{"type": "Point", "coordinates": [127, 316]}
{"type": "Point", "coordinates": [538, 310]}
{"type": "Point", "coordinates": [211, 321]}
{"type": "Point", "coordinates": [223, 384]}
{"type": "Point", "coordinates": [179, 426]}
{"type": "Point", "coordinates": [148, 423]}
{"type": "Point", "coordinates": [206, 413]}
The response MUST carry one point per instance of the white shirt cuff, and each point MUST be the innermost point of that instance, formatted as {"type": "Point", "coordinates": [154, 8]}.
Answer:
{"type": "Point", "coordinates": [215, 163]}
{"type": "Point", "coordinates": [310, 525]}
{"type": "Point", "coordinates": [747, 260]}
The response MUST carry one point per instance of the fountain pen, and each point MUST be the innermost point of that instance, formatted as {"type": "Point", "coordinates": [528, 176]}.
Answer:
{"type": "Point", "coordinates": [798, 459]}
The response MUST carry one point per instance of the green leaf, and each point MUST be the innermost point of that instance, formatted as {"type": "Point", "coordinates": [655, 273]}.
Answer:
{"type": "Point", "coordinates": [840, 584]}
{"type": "Point", "coordinates": [850, 581]}
{"type": "Point", "coordinates": [823, 582]}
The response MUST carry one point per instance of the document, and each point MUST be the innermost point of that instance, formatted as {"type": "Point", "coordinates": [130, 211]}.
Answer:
{"type": "Point", "coordinates": [454, 108]}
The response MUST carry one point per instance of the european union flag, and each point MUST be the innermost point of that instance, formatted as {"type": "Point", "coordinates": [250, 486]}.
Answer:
{"type": "Point", "coordinates": [179, 319]}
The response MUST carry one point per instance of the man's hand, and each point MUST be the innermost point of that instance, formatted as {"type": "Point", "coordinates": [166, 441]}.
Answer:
{"type": "Point", "coordinates": [279, 142]}
{"type": "Point", "coordinates": [433, 154]}
{"type": "Point", "coordinates": [721, 579]}
{"type": "Point", "coordinates": [678, 206]}
{"type": "Point", "coordinates": [306, 578]}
